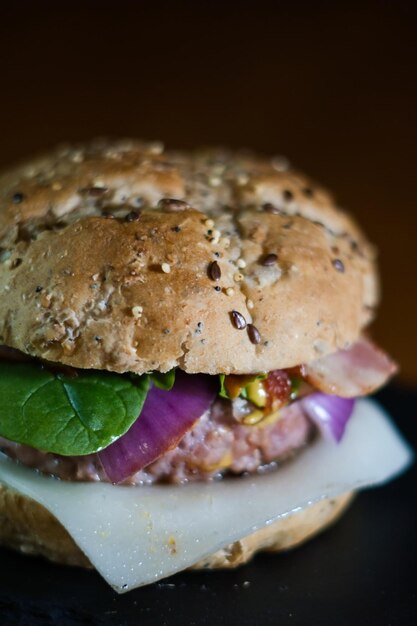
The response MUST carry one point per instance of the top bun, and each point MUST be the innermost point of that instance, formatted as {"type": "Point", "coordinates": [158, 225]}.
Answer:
{"type": "Point", "coordinates": [120, 256]}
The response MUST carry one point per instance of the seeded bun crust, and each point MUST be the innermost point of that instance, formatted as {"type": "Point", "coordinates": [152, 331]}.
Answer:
{"type": "Point", "coordinates": [120, 256]}
{"type": "Point", "coordinates": [27, 526]}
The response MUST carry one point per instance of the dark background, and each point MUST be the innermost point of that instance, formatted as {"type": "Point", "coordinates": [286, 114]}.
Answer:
{"type": "Point", "coordinates": [332, 85]}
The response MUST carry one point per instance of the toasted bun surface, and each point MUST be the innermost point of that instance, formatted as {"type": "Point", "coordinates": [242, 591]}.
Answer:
{"type": "Point", "coordinates": [27, 526]}
{"type": "Point", "coordinates": [137, 291]}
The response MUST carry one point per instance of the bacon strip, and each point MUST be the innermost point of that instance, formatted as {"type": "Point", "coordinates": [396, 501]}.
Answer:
{"type": "Point", "coordinates": [358, 371]}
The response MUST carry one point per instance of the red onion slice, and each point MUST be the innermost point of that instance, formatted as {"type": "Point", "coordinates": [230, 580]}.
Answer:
{"type": "Point", "coordinates": [329, 413]}
{"type": "Point", "coordinates": [165, 418]}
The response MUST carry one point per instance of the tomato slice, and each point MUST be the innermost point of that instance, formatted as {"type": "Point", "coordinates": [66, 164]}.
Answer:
{"type": "Point", "coordinates": [278, 388]}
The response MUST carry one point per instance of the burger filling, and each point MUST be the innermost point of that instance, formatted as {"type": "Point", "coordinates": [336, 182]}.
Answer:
{"type": "Point", "coordinates": [176, 427]}
{"type": "Point", "coordinates": [216, 444]}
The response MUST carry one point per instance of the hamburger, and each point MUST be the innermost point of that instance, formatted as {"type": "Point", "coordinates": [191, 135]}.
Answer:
{"type": "Point", "coordinates": [183, 345]}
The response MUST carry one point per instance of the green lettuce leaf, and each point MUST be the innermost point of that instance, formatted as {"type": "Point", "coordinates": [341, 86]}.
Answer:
{"type": "Point", "coordinates": [163, 381]}
{"type": "Point", "coordinates": [67, 415]}
{"type": "Point", "coordinates": [295, 387]}
{"type": "Point", "coordinates": [223, 393]}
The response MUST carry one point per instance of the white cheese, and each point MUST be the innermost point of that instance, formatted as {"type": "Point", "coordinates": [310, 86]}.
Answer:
{"type": "Point", "coordinates": [137, 535]}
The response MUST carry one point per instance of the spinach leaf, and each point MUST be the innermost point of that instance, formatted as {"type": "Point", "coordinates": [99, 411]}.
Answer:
{"type": "Point", "coordinates": [223, 392]}
{"type": "Point", "coordinates": [295, 387]}
{"type": "Point", "coordinates": [164, 381]}
{"type": "Point", "coordinates": [65, 415]}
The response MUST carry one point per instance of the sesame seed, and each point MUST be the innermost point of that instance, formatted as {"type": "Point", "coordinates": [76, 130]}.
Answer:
{"type": "Point", "coordinates": [18, 197]}
{"type": "Point", "coordinates": [77, 157]}
{"type": "Point", "coordinates": [238, 320]}
{"type": "Point", "coordinates": [56, 186]}
{"type": "Point", "coordinates": [280, 163]}
{"type": "Point", "coordinates": [238, 277]}
{"type": "Point", "coordinates": [241, 263]}
{"type": "Point", "coordinates": [338, 265]}
{"type": "Point", "coordinates": [215, 181]}
{"type": "Point", "coordinates": [230, 291]}
{"type": "Point", "coordinates": [270, 208]}
{"type": "Point", "coordinates": [156, 147]}
{"type": "Point", "coordinates": [215, 237]}
{"type": "Point", "coordinates": [209, 223]}
{"type": "Point", "coordinates": [249, 304]}
{"type": "Point", "coordinates": [166, 268]}
{"type": "Point", "coordinates": [269, 259]}
{"type": "Point", "coordinates": [133, 216]}
{"type": "Point", "coordinates": [214, 271]}
{"type": "Point", "coordinates": [242, 179]}
{"type": "Point", "coordinates": [95, 191]}
{"type": "Point", "coordinates": [137, 311]}
{"type": "Point", "coordinates": [45, 300]}
{"type": "Point", "coordinates": [226, 242]}
{"type": "Point", "coordinates": [287, 195]}
{"type": "Point", "coordinates": [172, 205]}
{"type": "Point", "coordinates": [253, 334]}
{"type": "Point", "coordinates": [68, 346]}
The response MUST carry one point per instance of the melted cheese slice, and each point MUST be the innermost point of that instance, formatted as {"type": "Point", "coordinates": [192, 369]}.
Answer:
{"type": "Point", "coordinates": [137, 535]}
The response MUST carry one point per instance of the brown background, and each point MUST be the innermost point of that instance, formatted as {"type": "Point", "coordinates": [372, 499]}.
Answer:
{"type": "Point", "coordinates": [332, 85]}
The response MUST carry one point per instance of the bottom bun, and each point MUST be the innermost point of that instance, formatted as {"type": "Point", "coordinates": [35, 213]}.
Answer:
{"type": "Point", "coordinates": [28, 527]}
{"type": "Point", "coordinates": [284, 534]}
